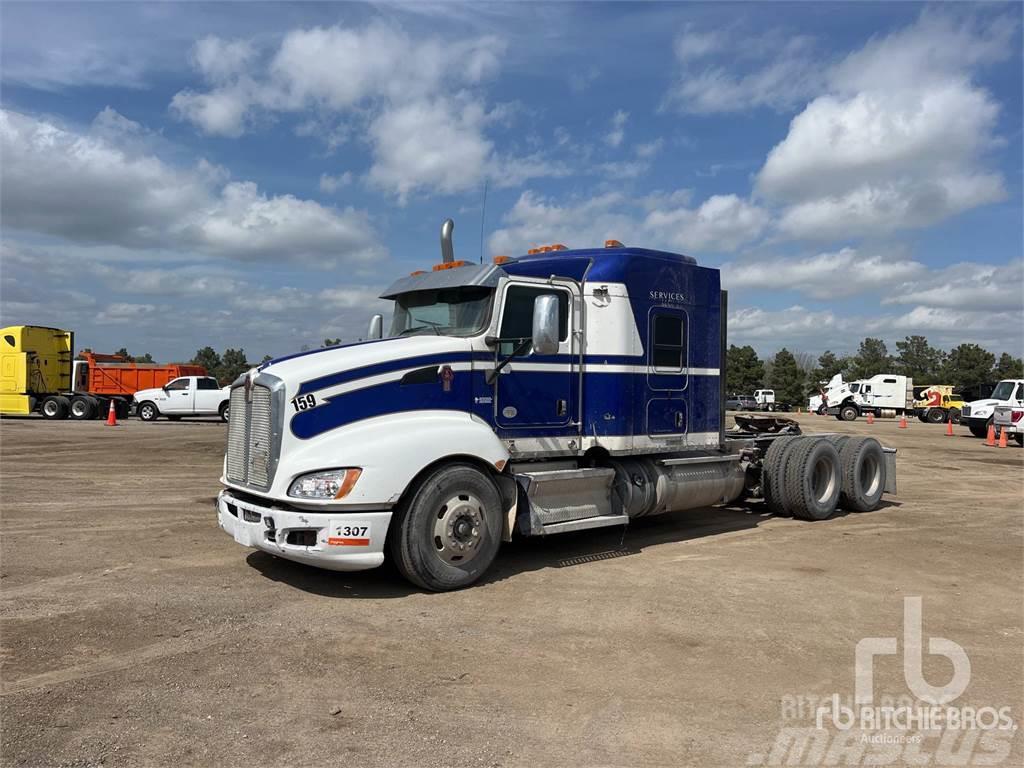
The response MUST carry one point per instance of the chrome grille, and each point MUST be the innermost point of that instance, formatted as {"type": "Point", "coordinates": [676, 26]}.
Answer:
{"type": "Point", "coordinates": [253, 434]}
{"type": "Point", "coordinates": [236, 436]}
{"type": "Point", "coordinates": [966, 411]}
{"type": "Point", "coordinates": [260, 422]}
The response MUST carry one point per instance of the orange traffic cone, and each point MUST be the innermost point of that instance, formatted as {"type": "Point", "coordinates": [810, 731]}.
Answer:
{"type": "Point", "coordinates": [949, 429]}
{"type": "Point", "coordinates": [990, 440]}
{"type": "Point", "coordinates": [871, 418]}
{"type": "Point", "coordinates": [111, 415]}
{"type": "Point", "coordinates": [903, 421]}
{"type": "Point", "coordinates": [1002, 438]}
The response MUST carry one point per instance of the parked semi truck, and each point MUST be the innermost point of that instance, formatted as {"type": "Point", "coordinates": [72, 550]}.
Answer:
{"type": "Point", "coordinates": [886, 394]}
{"type": "Point", "coordinates": [38, 372]}
{"type": "Point", "coordinates": [555, 391]}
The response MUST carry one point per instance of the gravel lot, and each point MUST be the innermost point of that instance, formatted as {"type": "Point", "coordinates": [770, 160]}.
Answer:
{"type": "Point", "coordinates": [135, 632]}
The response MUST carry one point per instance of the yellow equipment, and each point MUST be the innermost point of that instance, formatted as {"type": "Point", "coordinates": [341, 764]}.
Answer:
{"type": "Point", "coordinates": [34, 362]}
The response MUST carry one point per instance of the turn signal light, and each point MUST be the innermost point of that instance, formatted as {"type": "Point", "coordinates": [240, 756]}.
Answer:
{"type": "Point", "coordinates": [612, 244]}
{"type": "Point", "coordinates": [450, 265]}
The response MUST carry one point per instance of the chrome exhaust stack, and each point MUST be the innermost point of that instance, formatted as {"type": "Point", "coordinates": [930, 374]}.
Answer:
{"type": "Point", "coordinates": [447, 251]}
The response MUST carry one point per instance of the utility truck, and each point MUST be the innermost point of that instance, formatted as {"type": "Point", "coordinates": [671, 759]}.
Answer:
{"type": "Point", "coordinates": [886, 394]}
{"type": "Point", "coordinates": [554, 391]}
{"type": "Point", "coordinates": [937, 404]}
{"type": "Point", "coordinates": [38, 373]}
{"type": "Point", "coordinates": [979, 415]}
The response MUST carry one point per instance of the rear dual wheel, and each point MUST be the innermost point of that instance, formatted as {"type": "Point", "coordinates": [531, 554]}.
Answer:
{"type": "Point", "coordinates": [83, 408]}
{"type": "Point", "coordinates": [55, 407]}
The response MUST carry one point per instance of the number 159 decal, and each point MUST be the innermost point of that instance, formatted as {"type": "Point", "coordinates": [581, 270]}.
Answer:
{"type": "Point", "coordinates": [304, 402]}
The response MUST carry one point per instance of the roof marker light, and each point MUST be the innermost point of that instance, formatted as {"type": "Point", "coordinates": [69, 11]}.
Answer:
{"type": "Point", "coordinates": [501, 259]}
{"type": "Point", "coordinates": [417, 272]}
{"type": "Point", "coordinates": [450, 265]}
{"type": "Point", "coordinates": [612, 244]}
{"type": "Point", "coordinates": [532, 251]}
{"type": "Point", "coordinates": [558, 247]}
{"type": "Point", "coordinates": [546, 249]}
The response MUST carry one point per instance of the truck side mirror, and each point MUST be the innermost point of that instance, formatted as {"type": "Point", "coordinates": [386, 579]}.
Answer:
{"type": "Point", "coordinates": [545, 325]}
{"type": "Point", "coordinates": [376, 325]}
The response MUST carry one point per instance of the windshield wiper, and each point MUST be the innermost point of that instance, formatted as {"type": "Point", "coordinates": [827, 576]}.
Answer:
{"type": "Point", "coordinates": [429, 323]}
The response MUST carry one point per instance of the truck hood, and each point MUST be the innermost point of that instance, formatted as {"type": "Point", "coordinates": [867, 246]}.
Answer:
{"type": "Point", "coordinates": [307, 368]}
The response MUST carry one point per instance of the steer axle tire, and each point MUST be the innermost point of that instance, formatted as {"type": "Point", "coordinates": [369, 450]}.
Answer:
{"type": "Point", "coordinates": [863, 473]}
{"type": "Point", "coordinates": [813, 479]}
{"type": "Point", "coordinates": [446, 533]}
{"type": "Point", "coordinates": [148, 411]}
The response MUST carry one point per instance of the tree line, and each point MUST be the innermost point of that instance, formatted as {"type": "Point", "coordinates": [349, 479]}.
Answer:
{"type": "Point", "coordinates": [795, 375]}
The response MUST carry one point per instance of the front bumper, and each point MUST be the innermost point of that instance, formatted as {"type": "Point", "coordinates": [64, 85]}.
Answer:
{"type": "Point", "coordinates": [339, 541]}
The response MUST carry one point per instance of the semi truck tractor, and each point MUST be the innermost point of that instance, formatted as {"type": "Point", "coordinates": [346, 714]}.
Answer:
{"type": "Point", "coordinates": [38, 372]}
{"type": "Point", "coordinates": [937, 404]}
{"type": "Point", "coordinates": [886, 394]}
{"type": "Point", "coordinates": [555, 391]}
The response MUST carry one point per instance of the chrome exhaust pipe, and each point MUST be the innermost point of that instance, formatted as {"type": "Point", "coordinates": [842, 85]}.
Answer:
{"type": "Point", "coordinates": [447, 251]}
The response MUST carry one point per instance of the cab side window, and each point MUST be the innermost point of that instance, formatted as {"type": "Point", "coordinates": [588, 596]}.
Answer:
{"type": "Point", "coordinates": [517, 318]}
{"type": "Point", "coordinates": [178, 384]}
{"type": "Point", "coordinates": [668, 345]}
{"type": "Point", "coordinates": [1020, 392]}
{"type": "Point", "coordinates": [207, 383]}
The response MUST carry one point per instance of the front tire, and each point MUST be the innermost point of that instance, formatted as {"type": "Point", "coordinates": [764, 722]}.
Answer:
{"type": "Point", "coordinates": [225, 411]}
{"type": "Point", "coordinates": [954, 415]}
{"type": "Point", "coordinates": [979, 429]}
{"type": "Point", "coordinates": [148, 411]}
{"type": "Point", "coordinates": [848, 413]}
{"type": "Point", "coordinates": [447, 532]}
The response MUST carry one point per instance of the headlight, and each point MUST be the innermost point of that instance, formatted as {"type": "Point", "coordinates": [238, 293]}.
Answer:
{"type": "Point", "coordinates": [326, 484]}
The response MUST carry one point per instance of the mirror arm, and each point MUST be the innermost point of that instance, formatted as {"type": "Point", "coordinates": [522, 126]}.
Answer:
{"type": "Point", "coordinates": [493, 373]}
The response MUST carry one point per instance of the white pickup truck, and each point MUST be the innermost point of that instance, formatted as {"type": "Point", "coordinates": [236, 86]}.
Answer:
{"type": "Point", "coordinates": [184, 396]}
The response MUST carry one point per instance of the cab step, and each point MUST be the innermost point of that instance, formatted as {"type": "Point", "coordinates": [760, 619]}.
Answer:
{"type": "Point", "coordinates": [567, 500]}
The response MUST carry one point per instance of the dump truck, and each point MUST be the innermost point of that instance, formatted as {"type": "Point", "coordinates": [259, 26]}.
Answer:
{"type": "Point", "coordinates": [39, 373]}
{"type": "Point", "coordinates": [554, 391]}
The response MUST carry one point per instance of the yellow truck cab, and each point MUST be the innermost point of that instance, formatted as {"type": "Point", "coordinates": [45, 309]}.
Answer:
{"type": "Point", "coordinates": [34, 361]}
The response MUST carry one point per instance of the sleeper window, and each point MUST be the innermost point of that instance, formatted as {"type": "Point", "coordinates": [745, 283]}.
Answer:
{"type": "Point", "coordinates": [669, 343]}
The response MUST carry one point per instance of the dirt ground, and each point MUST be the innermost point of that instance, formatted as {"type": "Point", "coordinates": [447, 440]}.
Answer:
{"type": "Point", "coordinates": [135, 632]}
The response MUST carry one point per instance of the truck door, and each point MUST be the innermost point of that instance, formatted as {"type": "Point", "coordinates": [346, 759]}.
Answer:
{"type": "Point", "coordinates": [536, 391]}
{"type": "Point", "coordinates": [208, 395]}
{"type": "Point", "coordinates": [667, 374]}
{"type": "Point", "coordinates": [180, 394]}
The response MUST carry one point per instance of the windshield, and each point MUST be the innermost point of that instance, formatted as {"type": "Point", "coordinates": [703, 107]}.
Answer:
{"type": "Point", "coordinates": [444, 312]}
{"type": "Point", "coordinates": [855, 388]}
{"type": "Point", "coordinates": [1003, 390]}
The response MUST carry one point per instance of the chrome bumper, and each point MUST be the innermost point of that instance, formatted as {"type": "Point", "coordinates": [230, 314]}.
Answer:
{"type": "Point", "coordinates": [349, 541]}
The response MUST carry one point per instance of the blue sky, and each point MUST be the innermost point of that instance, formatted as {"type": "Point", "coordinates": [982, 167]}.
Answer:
{"type": "Point", "coordinates": [175, 175]}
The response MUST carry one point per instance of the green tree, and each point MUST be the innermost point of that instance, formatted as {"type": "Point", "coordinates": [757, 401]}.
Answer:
{"type": "Point", "coordinates": [331, 342]}
{"type": "Point", "coordinates": [828, 366]}
{"type": "Point", "coordinates": [267, 359]}
{"type": "Point", "coordinates": [209, 359]}
{"type": "Point", "coordinates": [123, 352]}
{"type": "Point", "coordinates": [744, 370]}
{"type": "Point", "coordinates": [146, 358]}
{"type": "Point", "coordinates": [916, 358]}
{"type": "Point", "coordinates": [232, 365]}
{"type": "Point", "coordinates": [872, 358]}
{"type": "Point", "coordinates": [786, 378]}
{"type": "Point", "coordinates": [968, 365]}
{"type": "Point", "coordinates": [1008, 367]}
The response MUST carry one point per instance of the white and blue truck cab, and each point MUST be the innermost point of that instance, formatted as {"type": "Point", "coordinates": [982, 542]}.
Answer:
{"type": "Point", "coordinates": [554, 391]}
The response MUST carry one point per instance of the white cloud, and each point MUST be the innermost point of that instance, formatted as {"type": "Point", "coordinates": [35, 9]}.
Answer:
{"type": "Point", "coordinates": [898, 142]}
{"type": "Point", "coordinates": [783, 326]}
{"type": "Point", "coordinates": [331, 184]}
{"type": "Point", "coordinates": [846, 272]}
{"type": "Point", "coordinates": [720, 223]}
{"type": "Point", "coordinates": [966, 286]}
{"type": "Point", "coordinates": [723, 72]}
{"type": "Point", "coordinates": [84, 188]}
{"type": "Point", "coordinates": [617, 133]}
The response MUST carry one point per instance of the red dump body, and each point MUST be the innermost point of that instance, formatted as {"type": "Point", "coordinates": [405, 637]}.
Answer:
{"type": "Point", "coordinates": [111, 375]}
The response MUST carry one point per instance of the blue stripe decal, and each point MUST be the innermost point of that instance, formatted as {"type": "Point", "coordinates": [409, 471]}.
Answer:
{"type": "Point", "coordinates": [353, 374]}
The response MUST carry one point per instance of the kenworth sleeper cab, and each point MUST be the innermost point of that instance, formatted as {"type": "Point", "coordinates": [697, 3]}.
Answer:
{"type": "Point", "coordinates": [555, 391]}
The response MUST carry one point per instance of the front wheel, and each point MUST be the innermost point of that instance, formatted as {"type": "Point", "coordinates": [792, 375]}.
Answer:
{"type": "Point", "coordinates": [954, 415]}
{"type": "Point", "coordinates": [979, 429]}
{"type": "Point", "coordinates": [225, 411]}
{"type": "Point", "coordinates": [148, 411]}
{"type": "Point", "coordinates": [446, 534]}
{"type": "Point", "coordinates": [848, 413]}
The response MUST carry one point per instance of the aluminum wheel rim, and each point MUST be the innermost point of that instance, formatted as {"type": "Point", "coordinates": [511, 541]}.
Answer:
{"type": "Point", "coordinates": [78, 408]}
{"type": "Point", "coordinates": [458, 529]}
{"type": "Point", "coordinates": [870, 475]}
{"type": "Point", "coordinates": [147, 411]}
{"type": "Point", "coordinates": [50, 408]}
{"type": "Point", "coordinates": [823, 480]}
